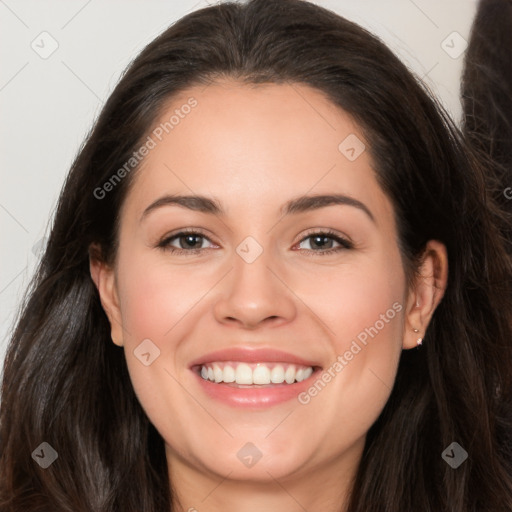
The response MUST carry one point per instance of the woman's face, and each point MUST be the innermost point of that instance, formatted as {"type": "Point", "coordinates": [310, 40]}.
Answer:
{"type": "Point", "coordinates": [258, 291]}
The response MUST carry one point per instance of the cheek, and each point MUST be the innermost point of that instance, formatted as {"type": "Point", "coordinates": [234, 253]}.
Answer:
{"type": "Point", "coordinates": [356, 302]}
{"type": "Point", "coordinates": [367, 307]}
{"type": "Point", "coordinates": [364, 309]}
{"type": "Point", "coordinates": [154, 304]}
{"type": "Point", "coordinates": [154, 298]}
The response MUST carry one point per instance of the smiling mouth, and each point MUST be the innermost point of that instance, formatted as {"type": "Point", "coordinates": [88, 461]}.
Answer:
{"type": "Point", "coordinates": [254, 375]}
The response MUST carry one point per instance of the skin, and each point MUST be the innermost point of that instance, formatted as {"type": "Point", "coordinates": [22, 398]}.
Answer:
{"type": "Point", "coordinates": [253, 148]}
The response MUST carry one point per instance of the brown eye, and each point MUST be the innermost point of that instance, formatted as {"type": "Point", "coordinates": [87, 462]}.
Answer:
{"type": "Point", "coordinates": [188, 242]}
{"type": "Point", "coordinates": [324, 240]}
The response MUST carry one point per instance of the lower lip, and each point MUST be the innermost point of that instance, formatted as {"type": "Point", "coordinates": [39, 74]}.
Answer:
{"type": "Point", "coordinates": [255, 397]}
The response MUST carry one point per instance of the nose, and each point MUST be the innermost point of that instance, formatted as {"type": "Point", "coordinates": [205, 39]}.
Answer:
{"type": "Point", "coordinates": [254, 294]}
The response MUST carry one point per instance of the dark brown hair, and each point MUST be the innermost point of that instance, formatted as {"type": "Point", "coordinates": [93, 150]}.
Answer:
{"type": "Point", "coordinates": [487, 99]}
{"type": "Point", "coordinates": [66, 383]}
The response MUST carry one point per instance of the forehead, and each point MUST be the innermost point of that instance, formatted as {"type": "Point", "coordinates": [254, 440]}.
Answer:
{"type": "Point", "coordinates": [253, 146]}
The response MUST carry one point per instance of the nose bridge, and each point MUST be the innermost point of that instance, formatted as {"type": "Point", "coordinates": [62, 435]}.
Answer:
{"type": "Point", "coordinates": [253, 292]}
{"type": "Point", "coordinates": [251, 264]}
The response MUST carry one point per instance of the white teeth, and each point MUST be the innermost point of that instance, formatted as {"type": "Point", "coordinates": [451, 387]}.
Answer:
{"type": "Point", "coordinates": [289, 374]}
{"type": "Point", "coordinates": [217, 373]}
{"type": "Point", "coordinates": [243, 374]}
{"type": "Point", "coordinates": [255, 373]}
{"type": "Point", "coordinates": [229, 374]}
{"type": "Point", "coordinates": [261, 375]}
{"type": "Point", "coordinates": [277, 374]}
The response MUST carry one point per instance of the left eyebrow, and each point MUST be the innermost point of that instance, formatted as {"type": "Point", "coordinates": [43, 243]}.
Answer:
{"type": "Point", "coordinates": [296, 205]}
{"type": "Point", "coordinates": [314, 202]}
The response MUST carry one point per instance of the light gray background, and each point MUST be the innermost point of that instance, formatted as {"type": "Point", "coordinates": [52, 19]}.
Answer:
{"type": "Point", "coordinates": [49, 104]}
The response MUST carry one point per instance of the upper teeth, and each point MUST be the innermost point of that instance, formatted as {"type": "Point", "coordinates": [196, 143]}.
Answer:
{"type": "Point", "coordinates": [257, 373]}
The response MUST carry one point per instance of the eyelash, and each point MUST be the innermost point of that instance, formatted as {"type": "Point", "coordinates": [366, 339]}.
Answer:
{"type": "Point", "coordinates": [164, 244]}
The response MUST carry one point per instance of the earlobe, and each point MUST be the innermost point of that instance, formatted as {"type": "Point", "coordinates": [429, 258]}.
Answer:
{"type": "Point", "coordinates": [426, 293]}
{"type": "Point", "coordinates": [103, 277]}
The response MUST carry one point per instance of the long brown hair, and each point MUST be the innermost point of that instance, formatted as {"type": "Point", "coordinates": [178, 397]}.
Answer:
{"type": "Point", "coordinates": [67, 384]}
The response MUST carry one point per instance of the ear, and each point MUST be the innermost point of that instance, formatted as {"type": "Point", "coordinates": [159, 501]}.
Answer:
{"type": "Point", "coordinates": [105, 281]}
{"type": "Point", "coordinates": [426, 292]}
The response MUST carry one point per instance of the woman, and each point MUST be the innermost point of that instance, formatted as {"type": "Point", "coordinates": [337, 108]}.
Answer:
{"type": "Point", "coordinates": [189, 343]}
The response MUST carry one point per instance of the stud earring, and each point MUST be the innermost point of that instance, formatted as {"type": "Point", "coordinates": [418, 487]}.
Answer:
{"type": "Point", "coordinates": [419, 341]}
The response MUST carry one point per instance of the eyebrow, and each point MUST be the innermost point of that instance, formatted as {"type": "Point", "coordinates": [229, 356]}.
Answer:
{"type": "Point", "coordinates": [297, 205]}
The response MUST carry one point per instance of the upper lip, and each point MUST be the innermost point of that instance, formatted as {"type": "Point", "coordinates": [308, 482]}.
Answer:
{"type": "Point", "coordinates": [252, 355]}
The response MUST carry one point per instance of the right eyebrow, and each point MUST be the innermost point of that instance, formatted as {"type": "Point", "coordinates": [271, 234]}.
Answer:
{"type": "Point", "coordinates": [196, 203]}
